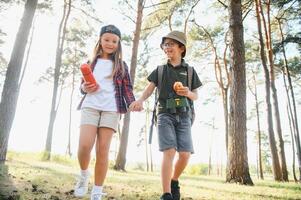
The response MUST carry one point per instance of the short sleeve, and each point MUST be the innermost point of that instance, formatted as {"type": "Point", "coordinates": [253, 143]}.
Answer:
{"type": "Point", "coordinates": [153, 77]}
{"type": "Point", "coordinates": [195, 83]}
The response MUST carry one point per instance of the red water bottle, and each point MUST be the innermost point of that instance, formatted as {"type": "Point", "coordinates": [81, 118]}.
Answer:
{"type": "Point", "coordinates": [87, 73]}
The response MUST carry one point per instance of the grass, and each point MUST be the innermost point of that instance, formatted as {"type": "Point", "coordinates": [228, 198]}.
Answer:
{"type": "Point", "coordinates": [25, 176]}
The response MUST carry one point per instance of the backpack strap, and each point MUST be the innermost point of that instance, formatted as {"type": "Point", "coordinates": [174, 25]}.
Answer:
{"type": "Point", "coordinates": [160, 77]}
{"type": "Point", "coordinates": [189, 74]}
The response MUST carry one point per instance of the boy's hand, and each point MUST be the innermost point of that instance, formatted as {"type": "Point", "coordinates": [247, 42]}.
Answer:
{"type": "Point", "coordinates": [183, 91]}
{"type": "Point", "coordinates": [136, 106]}
{"type": "Point", "coordinates": [89, 87]}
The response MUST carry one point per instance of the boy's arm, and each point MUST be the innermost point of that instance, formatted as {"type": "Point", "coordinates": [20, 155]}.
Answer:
{"type": "Point", "coordinates": [192, 95]}
{"type": "Point", "coordinates": [138, 105]}
{"type": "Point", "coordinates": [147, 92]}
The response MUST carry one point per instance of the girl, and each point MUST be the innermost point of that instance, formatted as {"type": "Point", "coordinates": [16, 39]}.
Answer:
{"type": "Point", "coordinates": [101, 107]}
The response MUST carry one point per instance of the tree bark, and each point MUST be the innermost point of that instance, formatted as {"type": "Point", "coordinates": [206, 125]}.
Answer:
{"type": "Point", "coordinates": [275, 159]}
{"type": "Point", "coordinates": [58, 62]}
{"type": "Point", "coordinates": [294, 116]}
{"type": "Point", "coordinates": [121, 157]}
{"type": "Point", "coordinates": [258, 130]}
{"type": "Point", "coordinates": [281, 151]}
{"type": "Point", "coordinates": [10, 92]}
{"type": "Point", "coordinates": [237, 164]}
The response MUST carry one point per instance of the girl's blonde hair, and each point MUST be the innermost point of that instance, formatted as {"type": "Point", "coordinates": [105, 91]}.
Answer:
{"type": "Point", "coordinates": [116, 57]}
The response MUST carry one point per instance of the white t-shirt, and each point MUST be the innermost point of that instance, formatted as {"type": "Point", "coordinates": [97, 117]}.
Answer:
{"type": "Point", "coordinates": [104, 98]}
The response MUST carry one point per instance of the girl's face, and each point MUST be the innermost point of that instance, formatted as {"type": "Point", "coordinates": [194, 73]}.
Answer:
{"type": "Point", "coordinates": [109, 43]}
{"type": "Point", "coordinates": [172, 49]}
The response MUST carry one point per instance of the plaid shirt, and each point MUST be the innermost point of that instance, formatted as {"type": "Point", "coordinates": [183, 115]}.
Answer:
{"type": "Point", "coordinates": [123, 90]}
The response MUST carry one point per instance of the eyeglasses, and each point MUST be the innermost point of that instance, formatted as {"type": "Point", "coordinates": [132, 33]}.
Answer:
{"type": "Point", "coordinates": [168, 44]}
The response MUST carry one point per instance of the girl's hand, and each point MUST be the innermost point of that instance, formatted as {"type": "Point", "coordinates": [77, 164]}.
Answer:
{"type": "Point", "coordinates": [136, 106]}
{"type": "Point", "coordinates": [183, 91]}
{"type": "Point", "coordinates": [90, 87]}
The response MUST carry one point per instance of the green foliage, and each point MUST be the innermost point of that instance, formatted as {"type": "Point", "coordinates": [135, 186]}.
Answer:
{"type": "Point", "coordinates": [197, 169]}
{"type": "Point", "coordinates": [294, 66]}
{"type": "Point", "coordinates": [65, 160]}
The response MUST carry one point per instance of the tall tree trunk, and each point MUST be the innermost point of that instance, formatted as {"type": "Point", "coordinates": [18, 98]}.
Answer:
{"type": "Point", "coordinates": [146, 136]}
{"type": "Point", "coordinates": [258, 130]}
{"type": "Point", "coordinates": [210, 148]}
{"type": "Point", "coordinates": [281, 151]}
{"type": "Point", "coordinates": [27, 53]}
{"type": "Point", "coordinates": [237, 165]}
{"type": "Point", "coordinates": [275, 159]}
{"type": "Point", "coordinates": [121, 157]}
{"type": "Point", "coordinates": [294, 114]}
{"type": "Point", "coordinates": [10, 92]}
{"type": "Point", "coordinates": [68, 151]}
{"type": "Point", "coordinates": [58, 62]}
{"type": "Point", "coordinates": [289, 115]}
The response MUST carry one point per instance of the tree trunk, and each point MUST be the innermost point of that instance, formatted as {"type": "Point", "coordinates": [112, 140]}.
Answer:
{"type": "Point", "coordinates": [58, 62]}
{"type": "Point", "coordinates": [121, 157]}
{"type": "Point", "coordinates": [275, 159]}
{"type": "Point", "coordinates": [10, 92]}
{"type": "Point", "coordinates": [281, 151]}
{"type": "Point", "coordinates": [289, 115]}
{"type": "Point", "coordinates": [68, 151]}
{"type": "Point", "coordinates": [237, 164]}
{"type": "Point", "coordinates": [258, 131]}
{"type": "Point", "coordinates": [27, 53]}
{"type": "Point", "coordinates": [293, 114]}
{"type": "Point", "coordinates": [145, 135]}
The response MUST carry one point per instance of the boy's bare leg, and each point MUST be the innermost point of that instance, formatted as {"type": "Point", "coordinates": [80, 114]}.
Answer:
{"type": "Point", "coordinates": [166, 169]}
{"type": "Point", "coordinates": [180, 164]}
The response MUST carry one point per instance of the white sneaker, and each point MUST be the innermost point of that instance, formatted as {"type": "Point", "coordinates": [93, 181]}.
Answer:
{"type": "Point", "coordinates": [97, 195]}
{"type": "Point", "coordinates": [81, 187]}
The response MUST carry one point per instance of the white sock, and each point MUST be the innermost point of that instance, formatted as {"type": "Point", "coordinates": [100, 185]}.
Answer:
{"type": "Point", "coordinates": [97, 188]}
{"type": "Point", "coordinates": [84, 172]}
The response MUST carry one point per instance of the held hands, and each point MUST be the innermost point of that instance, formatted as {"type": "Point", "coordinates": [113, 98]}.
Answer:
{"type": "Point", "coordinates": [136, 106]}
{"type": "Point", "coordinates": [90, 87]}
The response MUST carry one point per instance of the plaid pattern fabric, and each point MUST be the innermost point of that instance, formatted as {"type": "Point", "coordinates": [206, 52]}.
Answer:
{"type": "Point", "coordinates": [123, 90]}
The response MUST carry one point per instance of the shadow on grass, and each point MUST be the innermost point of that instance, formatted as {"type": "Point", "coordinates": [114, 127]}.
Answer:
{"type": "Point", "coordinates": [284, 185]}
{"type": "Point", "coordinates": [243, 193]}
{"type": "Point", "coordinates": [205, 179]}
{"type": "Point", "coordinates": [7, 189]}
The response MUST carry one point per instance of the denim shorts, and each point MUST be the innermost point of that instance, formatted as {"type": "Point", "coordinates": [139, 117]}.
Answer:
{"type": "Point", "coordinates": [174, 131]}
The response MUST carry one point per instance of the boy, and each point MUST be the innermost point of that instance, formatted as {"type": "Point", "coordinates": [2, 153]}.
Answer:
{"type": "Point", "coordinates": [174, 111]}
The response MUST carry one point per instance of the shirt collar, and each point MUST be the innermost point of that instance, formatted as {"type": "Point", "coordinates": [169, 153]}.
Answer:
{"type": "Point", "coordinates": [183, 63]}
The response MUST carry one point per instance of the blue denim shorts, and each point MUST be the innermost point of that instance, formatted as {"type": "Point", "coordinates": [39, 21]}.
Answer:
{"type": "Point", "coordinates": [174, 131]}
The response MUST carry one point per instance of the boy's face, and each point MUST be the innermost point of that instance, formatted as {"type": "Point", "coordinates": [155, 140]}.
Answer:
{"type": "Point", "coordinates": [172, 49]}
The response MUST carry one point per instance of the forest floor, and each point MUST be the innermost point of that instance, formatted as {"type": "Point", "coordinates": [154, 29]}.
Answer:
{"type": "Point", "coordinates": [24, 176]}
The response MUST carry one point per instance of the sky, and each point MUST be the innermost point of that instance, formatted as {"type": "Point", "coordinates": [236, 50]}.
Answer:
{"type": "Point", "coordinates": [30, 125]}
